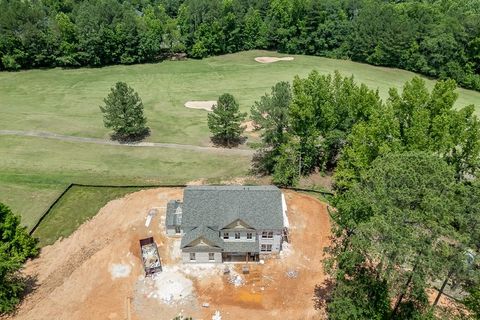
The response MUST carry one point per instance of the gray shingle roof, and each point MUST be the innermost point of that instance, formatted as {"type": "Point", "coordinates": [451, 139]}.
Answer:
{"type": "Point", "coordinates": [171, 219]}
{"type": "Point", "coordinates": [207, 209]}
{"type": "Point", "coordinates": [201, 232]}
{"type": "Point", "coordinates": [217, 206]}
{"type": "Point", "coordinates": [212, 237]}
{"type": "Point", "coordinates": [233, 246]}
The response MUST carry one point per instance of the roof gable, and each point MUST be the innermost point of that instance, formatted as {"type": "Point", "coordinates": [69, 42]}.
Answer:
{"type": "Point", "coordinates": [200, 242]}
{"type": "Point", "coordinates": [200, 234]}
{"type": "Point", "coordinates": [237, 224]}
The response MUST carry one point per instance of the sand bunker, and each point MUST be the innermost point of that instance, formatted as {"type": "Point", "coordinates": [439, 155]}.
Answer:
{"type": "Point", "coordinates": [272, 59]}
{"type": "Point", "coordinates": [206, 105]}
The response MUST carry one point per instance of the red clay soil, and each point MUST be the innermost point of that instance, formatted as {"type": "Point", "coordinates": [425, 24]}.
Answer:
{"type": "Point", "coordinates": [74, 275]}
{"type": "Point", "coordinates": [281, 297]}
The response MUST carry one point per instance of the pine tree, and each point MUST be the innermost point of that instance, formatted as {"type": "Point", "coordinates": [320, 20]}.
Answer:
{"type": "Point", "coordinates": [225, 121]}
{"type": "Point", "coordinates": [123, 112]}
{"type": "Point", "coordinates": [397, 223]}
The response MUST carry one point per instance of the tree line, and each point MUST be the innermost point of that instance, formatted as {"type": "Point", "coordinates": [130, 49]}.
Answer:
{"type": "Point", "coordinates": [437, 38]}
{"type": "Point", "coordinates": [330, 123]}
{"type": "Point", "coordinates": [406, 191]}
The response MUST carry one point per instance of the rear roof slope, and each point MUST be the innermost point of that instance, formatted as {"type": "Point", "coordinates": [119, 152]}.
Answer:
{"type": "Point", "coordinates": [218, 206]}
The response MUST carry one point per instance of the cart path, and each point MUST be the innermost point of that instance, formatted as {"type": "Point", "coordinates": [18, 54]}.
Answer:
{"type": "Point", "coordinates": [61, 137]}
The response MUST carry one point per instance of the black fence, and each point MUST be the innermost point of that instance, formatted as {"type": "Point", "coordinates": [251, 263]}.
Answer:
{"type": "Point", "coordinates": [65, 191]}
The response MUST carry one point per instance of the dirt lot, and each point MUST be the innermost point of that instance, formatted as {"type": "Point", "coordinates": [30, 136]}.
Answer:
{"type": "Point", "coordinates": [97, 274]}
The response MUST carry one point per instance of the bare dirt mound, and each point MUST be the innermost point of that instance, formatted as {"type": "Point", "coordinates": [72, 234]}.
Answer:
{"type": "Point", "coordinates": [205, 105]}
{"type": "Point", "coordinates": [272, 59]}
{"type": "Point", "coordinates": [96, 273]}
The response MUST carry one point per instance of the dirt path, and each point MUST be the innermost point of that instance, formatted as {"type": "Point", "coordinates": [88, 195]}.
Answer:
{"type": "Point", "coordinates": [61, 137]}
{"type": "Point", "coordinates": [75, 278]}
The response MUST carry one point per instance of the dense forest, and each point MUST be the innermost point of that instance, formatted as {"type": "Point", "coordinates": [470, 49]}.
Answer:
{"type": "Point", "coordinates": [438, 38]}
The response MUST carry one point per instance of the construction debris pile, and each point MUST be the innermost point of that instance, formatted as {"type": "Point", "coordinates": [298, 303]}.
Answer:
{"type": "Point", "coordinates": [236, 280]}
{"type": "Point", "coordinates": [150, 256]}
{"type": "Point", "coordinates": [217, 316]}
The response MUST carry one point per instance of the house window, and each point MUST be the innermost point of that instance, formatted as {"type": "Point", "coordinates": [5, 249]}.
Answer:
{"type": "Point", "coordinates": [192, 256]}
{"type": "Point", "coordinates": [266, 248]}
{"type": "Point", "coordinates": [177, 229]}
{"type": "Point", "coordinates": [268, 234]}
{"type": "Point", "coordinates": [237, 235]}
{"type": "Point", "coordinates": [249, 235]}
{"type": "Point", "coordinates": [226, 235]}
{"type": "Point", "coordinates": [211, 256]}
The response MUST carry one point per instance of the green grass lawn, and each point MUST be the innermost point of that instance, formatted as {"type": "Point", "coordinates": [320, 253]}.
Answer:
{"type": "Point", "coordinates": [33, 171]}
{"type": "Point", "coordinates": [28, 199]}
{"type": "Point", "coordinates": [67, 101]}
{"type": "Point", "coordinates": [74, 208]}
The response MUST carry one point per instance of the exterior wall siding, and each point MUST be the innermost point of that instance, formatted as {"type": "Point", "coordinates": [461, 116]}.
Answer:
{"type": "Point", "coordinates": [202, 257]}
{"type": "Point", "coordinates": [171, 232]}
{"type": "Point", "coordinates": [243, 236]}
{"type": "Point", "coordinates": [276, 241]}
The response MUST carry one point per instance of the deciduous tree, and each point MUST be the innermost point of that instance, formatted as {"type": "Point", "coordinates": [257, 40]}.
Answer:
{"type": "Point", "coordinates": [270, 117]}
{"type": "Point", "coordinates": [418, 120]}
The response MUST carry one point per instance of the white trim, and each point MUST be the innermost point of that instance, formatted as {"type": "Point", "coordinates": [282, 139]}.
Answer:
{"type": "Point", "coordinates": [286, 224]}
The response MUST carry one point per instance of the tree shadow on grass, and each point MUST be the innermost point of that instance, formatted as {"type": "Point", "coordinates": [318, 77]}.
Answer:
{"type": "Point", "coordinates": [322, 294]}
{"type": "Point", "coordinates": [122, 138]}
{"type": "Point", "coordinates": [220, 142]}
